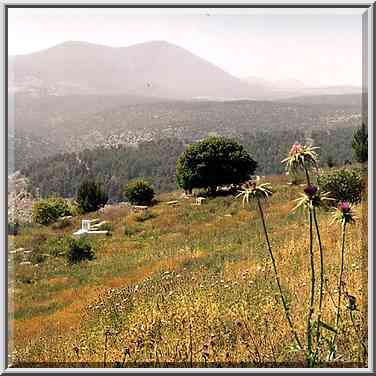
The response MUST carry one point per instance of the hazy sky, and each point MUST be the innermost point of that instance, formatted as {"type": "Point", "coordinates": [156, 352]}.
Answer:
{"type": "Point", "coordinates": [319, 47]}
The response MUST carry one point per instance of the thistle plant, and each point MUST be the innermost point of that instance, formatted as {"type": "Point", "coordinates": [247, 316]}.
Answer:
{"type": "Point", "coordinates": [343, 215]}
{"type": "Point", "coordinates": [301, 157]}
{"type": "Point", "coordinates": [304, 157]}
{"type": "Point", "coordinates": [311, 199]}
{"type": "Point", "coordinates": [259, 192]}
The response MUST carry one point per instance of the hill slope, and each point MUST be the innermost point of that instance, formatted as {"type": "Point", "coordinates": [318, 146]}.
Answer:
{"type": "Point", "coordinates": [182, 275]}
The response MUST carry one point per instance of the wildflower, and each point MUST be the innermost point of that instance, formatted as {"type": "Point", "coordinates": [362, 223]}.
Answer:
{"type": "Point", "coordinates": [312, 197]}
{"type": "Point", "coordinates": [301, 157]}
{"type": "Point", "coordinates": [343, 213]}
{"type": "Point", "coordinates": [310, 190]}
{"type": "Point", "coordinates": [259, 192]}
{"type": "Point", "coordinates": [253, 190]}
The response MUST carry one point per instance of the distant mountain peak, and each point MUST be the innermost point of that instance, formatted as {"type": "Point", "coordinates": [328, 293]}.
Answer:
{"type": "Point", "coordinates": [76, 67]}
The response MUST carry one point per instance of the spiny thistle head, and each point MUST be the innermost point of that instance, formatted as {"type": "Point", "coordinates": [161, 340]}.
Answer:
{"type": "Point", "coordinates": [343, 213]}
{"type": "Point", "coordinates": [312, 197]}
{"type": "Point", "coordinates": [256, 191]}
{"type": "Point", "coordinates": [310, 190]}
{"type": "Point", "coordinates": [301, 156]}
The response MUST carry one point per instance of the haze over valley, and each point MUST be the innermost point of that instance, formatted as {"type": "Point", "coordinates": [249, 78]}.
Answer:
{"type": "Point", "coordinates": [78, 95]}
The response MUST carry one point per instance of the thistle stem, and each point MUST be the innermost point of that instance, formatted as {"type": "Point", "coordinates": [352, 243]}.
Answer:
{"type": "Point", "coordinates": [321, 282]}
{"type": "Point", "coordinates": [277, 277]}
{"type": "Point", "coordinates": [312, 293]}
{"type": "Point", "coordinates": [307, 175]}
{"type": "Point", "coordinates": [338, 314]}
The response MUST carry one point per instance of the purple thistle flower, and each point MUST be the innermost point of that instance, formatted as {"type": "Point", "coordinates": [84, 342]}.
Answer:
{"type": "Point", "coordinates": [296, 148]}
{"type": "Point", "coordinates": [310, 190]}
{"type": "Point", "coordinates": [344, 207]}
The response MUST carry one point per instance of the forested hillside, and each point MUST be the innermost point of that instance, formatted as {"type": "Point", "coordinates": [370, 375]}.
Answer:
{"type": "Point", "coordinates": [45, 128]}
{"type": "Point", "coordinates": [156, 160]}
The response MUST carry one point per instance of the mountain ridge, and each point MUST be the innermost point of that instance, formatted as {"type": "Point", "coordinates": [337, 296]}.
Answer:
{"type": "Point", "coordinates": [155, 68]}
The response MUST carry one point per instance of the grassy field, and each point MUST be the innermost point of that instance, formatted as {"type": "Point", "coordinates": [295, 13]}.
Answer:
{"type": "Point", "coordinates": [185, 286]}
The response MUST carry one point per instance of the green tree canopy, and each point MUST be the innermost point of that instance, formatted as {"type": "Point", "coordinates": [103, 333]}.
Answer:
{"type": "Point", "coordinates": [91, 196]}
{"type": "Point", "coordinates": [139, 192]}
{"type": "Point", "coordinates": [213, 162]}
{"type": "Point", "coordinates": [360, 144]}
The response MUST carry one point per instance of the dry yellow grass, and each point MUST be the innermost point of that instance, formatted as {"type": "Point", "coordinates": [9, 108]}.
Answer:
{"type": "Point", "coordinates": [194, 286]}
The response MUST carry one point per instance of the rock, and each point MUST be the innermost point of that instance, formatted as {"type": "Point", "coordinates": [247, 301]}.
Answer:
{"type": "Point", "coordinates": [66, 217]}
{"type": "Point", "coordinates": [172, 202]}
{"type": "Point", "coordinates": [25, 263]}
{"type": "Point", "coordinates": [139, 207]}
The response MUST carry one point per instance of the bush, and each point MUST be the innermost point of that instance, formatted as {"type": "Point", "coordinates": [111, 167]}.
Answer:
{"type": "Point", "coordinates": [91, 196]}
{"type": "Point", "coordinates": [213, 162]}
{"type": "Point", "coordinates": [48, 210]}
{"type": "Point", "coordinates": [360, 144]}
{"type": "Point", "coordinates": [139, 192]}
{"type": "Point", "coordinates": [343, 185]}
{"type": "Point", "coordinates": [13, 228]}
{"type": "Point", "coordinates": [57, 246]}
{"type": "Point", "coordinates": [79, 250]}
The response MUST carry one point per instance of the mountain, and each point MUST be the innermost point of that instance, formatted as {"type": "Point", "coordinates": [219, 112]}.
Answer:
{"type": "Point", "coordinates": [152, 69]}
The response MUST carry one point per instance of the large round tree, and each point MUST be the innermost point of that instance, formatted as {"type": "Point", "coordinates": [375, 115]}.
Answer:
{"type": "Point", "coordinates": [213, 162]}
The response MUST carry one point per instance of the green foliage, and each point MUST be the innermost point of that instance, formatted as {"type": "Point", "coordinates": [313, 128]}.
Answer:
{"type": "Point", "coordinates": [139, 192]}
{"type": "Point", "coordinates": [57, 245]}
{"type": "Point", "coordinates": [106, 227]}
{"type": "Point", "coordinates": [48, 210]}
{"type": "Point", "coordinates": [342, 185]}
{"type": "Point", "coordinates": [155, 161]}
{"type": "Point", "coordinates": [79, 250]}
{"type": "Point", "coordinates": [61, 223]}
{"type": "Point", "coordinates": [13, 228]}
{"type": "Point", "coordinates": [360, 144]}
{"type": "Point", "coordinates": [213, 162]}
{"type": "Point", "coordinates": [91, 196]}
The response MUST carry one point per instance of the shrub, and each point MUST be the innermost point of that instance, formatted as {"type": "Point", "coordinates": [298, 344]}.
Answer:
{"type": "Point", "coordinates": [139, 192]}
{"type": "Point", "coordinates": [79, 250]}
{"type": "Point", "coordinates": [360, 144]}
{"type": "Point", "coordinates": [13, 228]}
{"type": "Point", "coordinates": [91, 196]}
{"type": "Point", "coordinates": [57, 245]}
{"type": "Point", "coordinates": [213, 162]}
{"type": "Point", "coordinates": [48, 210]}
{"type": "Point", "coordinates": [342, 185]}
